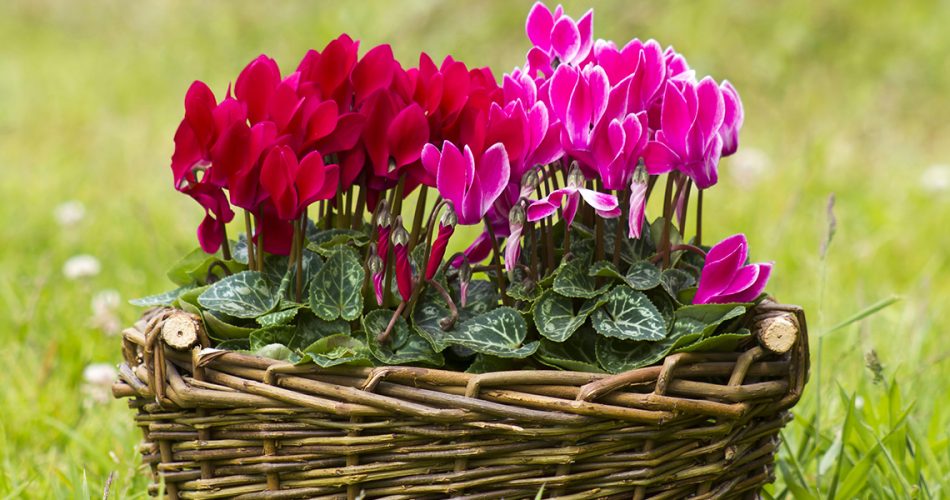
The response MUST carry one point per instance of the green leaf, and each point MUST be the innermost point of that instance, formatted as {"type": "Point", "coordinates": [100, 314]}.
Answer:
{"type": "Point", "coordinates": [572, 280]}
{"type": "Point", "coordinates": [643, 275]}
{"type": "Point", "coordinates": [403, 346]}
{"type": "Point", "coordinates": [277, 351]}
{"type": "Point", "coordinates": [193, 268]}
{"type": "Point", "coordinates": [500, 332]}
{"type": "Point", "coordinates": [161, 299]}
{"type": "Point", "coordinates": [486, 364]}
{"type": "Point", "coordinates": [234, 345]}
{"type": "Point", "coordinates": [616, 355]}
{"type": "Point", "coordinates": [726, 342]}
{"type": "Point", "coordinates": [239, 250]}
{"type": "Point", "coordinates": [426, 317]}
{"type": "Point", "coordinates": [481, 297]}
{"type": "Point", "coordinates": [704, 318]}
{"type": "Point", "coordinates": [188, 301]}
{"type": "Point", "coordinates": [280, 317]}
{"type": "Point", "coordinates": [604, 269]}
{"type": "Point", "coordinates": [576, 353]}
{"type": "Point", "coordinates": [555, 318]}
{"type": "Point", "coordinates": [629, 315]}
{"type": "Point", "coordinates": [519, 291]}
{"type": "Point", "coordinates": [336, 289]}
{"type": "Point", "coordinates": [222, 329]}
{"type": "Point", "coordinates": [337, 350]}
{"type": "Point", "coordinates": [310, 325]}
{"type": "Point", "coordinates": [324, 242]}
{"type": "Point", "coordinates": [276, 342]}
{"type": "Point", "coordinates": [676, 280]}
{"type": "Point", "coordinates": [243, 295]}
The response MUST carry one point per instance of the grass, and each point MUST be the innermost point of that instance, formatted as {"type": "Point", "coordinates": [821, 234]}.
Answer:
{"type": "Point", "coordinates": [843, 97]}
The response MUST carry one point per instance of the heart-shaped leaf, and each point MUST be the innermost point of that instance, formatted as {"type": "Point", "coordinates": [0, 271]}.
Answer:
{"type": "Point", "coordinates": [643, 275]}
{"type": "Point", "coordinates": [629, 315]}
{"type": "Point", "coordinates": [324, 242]}
{"type": "Point", "coordinates": [404, 346]}
{"type": "Point", "coordinates": [336, 288]}
{"type": "Point", "coordinates": [194, 268]}
{"type": "Point", "coordinates": [223, 328]}
{"type": "Point", "coordinates": [161, 299]}
{"type": "Point", "coordinates": [726, 342]}
{"type": "Point", "coordinates": [704, 318]}
{"type": "Point", "coordinates": [337, 350]}
{"type": "Point", "coordinates": [676, 280]}
{"type": "Point", "coordinates": [309, 324]}
{"type": "Point", "coordinates": [243, 295]}
{"type": "Point", "coordinates": [555, 318]}
{"type": "Point", "coordinates": [486, 364]}
{"type": "Point", "coordinates": [604, 269]}
{"type": "Point", "coordinates": [572, 280]}
{"type": "Point", "coordinates": [576, 353]}
{"type": "Point", "coordinates": [280, 317]}
{"type": "Point", "coordinates": [500, 332]}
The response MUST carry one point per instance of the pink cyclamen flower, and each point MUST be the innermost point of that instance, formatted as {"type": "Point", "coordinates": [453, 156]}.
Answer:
{"type": "Point", "coordinates": [727, 278]}
{"type": "Point", "coordinates": [637, 71]}
{"type": "Point", "coordinates": [604, 204]}
{"type": "Point", "coordinates": [689, 139]}
{"type": "Point", "coordinates": [516, 220]}
{"type": "Point", "coordinates": [472, 186]}
{"type": "Point", "coordinates": [446, 228]}
{"type": "Point", "coordinates": [556, 35]}
{"type": "Point", "coordinates": [732, 118]}
{"type": "Point", "coordinates": [579, 100]}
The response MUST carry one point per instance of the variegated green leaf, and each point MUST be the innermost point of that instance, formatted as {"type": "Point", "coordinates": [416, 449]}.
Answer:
{"type": "Point", "coordinates": [243, 295]}
{"type": "Point", "coordinates": [222, 328]}
{"type": "Point", "coordinates": [555, 318]}
{"type": "Point", "coordinates": [427, 316]}
{"type": "Point", "coordinates": [629, 315]}
{"type": "Point", "coordinates": [604, 269]}
{"type": "Point", "coordinates": [520, 291]}
{"type": "Point", "coordinates": [324, 242]}
{"type": "Point", "coordinates": [617, 355]}
{"type": "Point", "coordinates": [485, 364]}
{"type": "Point", "coordinates": [577, 353]}
{"type": "Point", "coordinates": [279, 317]}
{"type": "Point", "coordinates": [572, 280]}
{"type": "Point", "coordinates": [643, 275]}
{"type": "Point", "coordinates": [500, 332]}
{"type": "Point", "coordinates": [309, 324]}
{"type": "Point", "coordinates": [336, 288]}
{"type": "Point", "coordinates": [704, 318]}
{"type": "Point", "coordinates": [337, 350]}
{"type": "Point", "coordinates": [726, 342]}
{"type": "Point", "coordinates": [404, 346]}
{"type": "Point", "coordinates": [676, 280]}
{"type": "Point", "coordinates": [161, 299]}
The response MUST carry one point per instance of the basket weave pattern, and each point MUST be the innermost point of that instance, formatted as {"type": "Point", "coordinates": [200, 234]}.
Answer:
{"type": "Point", "coordinates": [220, 424]}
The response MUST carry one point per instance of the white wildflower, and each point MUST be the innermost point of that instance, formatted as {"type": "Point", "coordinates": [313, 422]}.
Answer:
{"type": "Point", "coordinates": [105, 305]}
{"type": "Point", "coordinates": [748, 165]}
{"type": "Point", "coordinates": [936, 178]}
{"type": "Point", "coordinates": [81, 266]}
{"type": "Point", "coordinates": [69, 213]}
{"type": "Point", "coordinates": [97, 382]}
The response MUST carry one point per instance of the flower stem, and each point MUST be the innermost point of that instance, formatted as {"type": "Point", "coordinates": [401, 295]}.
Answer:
{"type": "Point", "coordinates": [418, 217]}
{"type": "Point", "coordinates": [260, 241]}
{"type": "Point", "coordinates": [360, 207]}
{"type": "Point", "coordinates": [618, 230]}
{"type": "Point", "coordinates": [448, 322]}
{"type": "Point", "coordinates": [251, 264]}
{"type": "Point", "coordinates": [598, 230]}
{"type": "Point", "coordinates": [301, 230]}
{"type": "Point", "coordinates": [226, 246]}
{"type": "Point", "coordinates": [496, 261]}
{"type": "Point", "coordinates": [533, 239]}
{"type": "Point", "coordinates": [683, 218]}
{"type": "Point", "coordinates": [699, 217]}
{"type": "Point", "coordinates": [383, 337]}
{"type": "Point", "coordinates": [667, 215]}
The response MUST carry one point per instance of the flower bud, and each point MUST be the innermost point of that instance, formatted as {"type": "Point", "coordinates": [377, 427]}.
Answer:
{"type": "Point", "coordinates": [640, 175]}
{"type": "Point", "coordinates": [530, 182]}
{"type": "Point", "coordinates": [375, 264]}
{"type": "Point", "coordinates": [516, 217]}
{"type": "Point", "coordinates": [465, 277]}
{"type": "Point", "coordinates": [449, 218]}
{"type": "Point", "coordinates": [400, 235]}
{"type": "Point", "coordinates": [383, 217]}
{"type": "Point", "coordinates": [575, 178]}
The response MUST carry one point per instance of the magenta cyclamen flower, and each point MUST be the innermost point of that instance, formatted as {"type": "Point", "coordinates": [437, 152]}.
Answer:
{"type": "Point", "coordinates": [446, 228]}
{"type": "Point", "coordinates": [472, 186]}
{"type": "Point", "coordinates": [556, 35]}
{"type": "Point", "coordinates": [689, 139]}
{"type": "Point", "coordinates": [604, 204]}
{"type": "Point", "coordinates": [727, 278]}
{"type": "Point", "coordinates": [732, 119]}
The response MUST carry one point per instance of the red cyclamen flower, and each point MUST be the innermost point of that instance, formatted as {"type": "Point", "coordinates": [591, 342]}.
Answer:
{"type": "Point", "coordinates": [403, 268]}
{"type": "Point", "coordinates": [294, 186]}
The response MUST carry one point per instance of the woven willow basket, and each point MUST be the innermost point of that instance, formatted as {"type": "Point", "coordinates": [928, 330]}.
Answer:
{"type": "Point", "coordinates": [220, 424]}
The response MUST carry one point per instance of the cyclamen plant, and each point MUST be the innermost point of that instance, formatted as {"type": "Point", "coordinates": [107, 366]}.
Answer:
{"type": "Point", "coordinates": [345, 258]}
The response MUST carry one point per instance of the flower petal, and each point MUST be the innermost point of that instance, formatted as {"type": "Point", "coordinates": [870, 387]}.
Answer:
{"type": "Point", "coordinates": [493, 174]}
{"type": "Point", "coordinates": [408, 133]}
{"type": "Point", "coordinates": [454, 175]}
{"type": "Point", "coordinates": [565, 39]}
{"type": "Point", "coordinates": [539, 25]}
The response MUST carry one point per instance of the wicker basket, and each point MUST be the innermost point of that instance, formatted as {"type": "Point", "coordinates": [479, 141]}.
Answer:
{"type": "Point", "coordinates": [220, 424]}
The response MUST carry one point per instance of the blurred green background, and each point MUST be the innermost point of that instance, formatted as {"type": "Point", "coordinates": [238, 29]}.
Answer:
{"type": "Point", "coordinates": [843, 97]}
